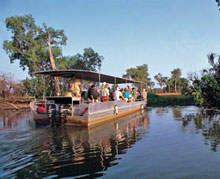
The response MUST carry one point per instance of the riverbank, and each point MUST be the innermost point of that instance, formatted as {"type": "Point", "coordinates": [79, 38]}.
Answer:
{"type": "Point", "coordinates": [163, 100]}
{"type": "Point", "coordinates": [15, 103]}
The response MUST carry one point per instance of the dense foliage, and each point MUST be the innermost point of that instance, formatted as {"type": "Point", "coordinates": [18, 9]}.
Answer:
{"type": "Point", "coordinates": [28, 43]}
{"type": "Point", "coordinates": [207, 88]}
{"type": "Point", "coordinates": [40, 48]}
{"type": "Point", "coordinates": [155, 100]}
{"type": "Point", "coordinates": [139, 73]}
{"type": "Point", "coordinates": [175, 83]}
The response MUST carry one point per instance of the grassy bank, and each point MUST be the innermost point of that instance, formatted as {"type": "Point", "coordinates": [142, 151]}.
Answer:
{"type": "Point", "coordinates": [155, 100]}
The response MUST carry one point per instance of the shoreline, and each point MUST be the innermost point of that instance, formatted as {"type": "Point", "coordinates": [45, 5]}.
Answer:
{"type": "Point", "coordinates": [15, 103]}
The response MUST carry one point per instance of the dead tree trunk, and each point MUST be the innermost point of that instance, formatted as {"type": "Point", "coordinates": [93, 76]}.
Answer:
{"type": "Point", "coordinates": [56, 79]}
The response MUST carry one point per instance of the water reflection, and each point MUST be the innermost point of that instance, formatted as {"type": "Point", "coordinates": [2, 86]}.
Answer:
{"type": "Point", "coordinates": [12, 119]}
{"type": "Point", "coordinates": [68, 151]}
{"type": "Point", "coordinates": [200, 121]}
{"type": "Point", "coordinates": [177, 112]}
{"type": "Point", "coordinates": [176, 134]}
{"type": "Point", "coordinates": [161, 110]}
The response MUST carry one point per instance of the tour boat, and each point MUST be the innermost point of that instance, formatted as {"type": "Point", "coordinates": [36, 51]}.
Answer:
{"type": "Point", "coordinates": [73, 111]}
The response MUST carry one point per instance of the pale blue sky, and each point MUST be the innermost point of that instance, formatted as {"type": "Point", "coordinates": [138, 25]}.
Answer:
{"type": "Point", "coordinates": [165, 34]}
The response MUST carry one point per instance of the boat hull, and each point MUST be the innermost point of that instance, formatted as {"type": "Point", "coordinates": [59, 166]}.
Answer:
{"type": "Point", "coordinates": [100, 113]}
{"type": "Point", "coordinates": [94, 114]}
{"type": "Point", "coordinates": [39, 119]}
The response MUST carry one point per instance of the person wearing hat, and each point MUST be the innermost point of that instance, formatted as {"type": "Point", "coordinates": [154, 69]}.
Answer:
{"type": "Point", "coordinates": [117, 94]}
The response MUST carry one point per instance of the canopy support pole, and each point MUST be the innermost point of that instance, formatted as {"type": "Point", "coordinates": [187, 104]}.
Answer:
{"type": "Point", "coordinates": [44, 88]}
{"type": "Point", "coordinates": [99, 79]}
{"type": "Point", "coordinates": [141, 92]}
{"type": "Point", "coordinates": [114, 82]}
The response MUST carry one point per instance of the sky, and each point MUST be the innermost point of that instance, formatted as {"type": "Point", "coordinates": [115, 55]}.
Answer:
{"type": "Point", "coordinates": [164, 34]}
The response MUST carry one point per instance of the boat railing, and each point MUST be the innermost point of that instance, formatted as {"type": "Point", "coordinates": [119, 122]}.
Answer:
{"type": "Point", "coordinates": [96, 110]}
{"type": "Point", "coordinates": [50, 107]}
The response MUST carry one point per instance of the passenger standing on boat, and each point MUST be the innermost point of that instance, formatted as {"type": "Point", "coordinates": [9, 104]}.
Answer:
{"type": "Point", "coordinates": [144, 94]}
{"type": "Point", "coordinates": [97, 95]}
{"type": "Point", "coordinates": [117, 94]}
{"type": "Point", "coordinates": [111, 94]}
{"type": "Point", "coordinates": [134, 93]}
{"type": "Point", "coordinates": [76, 87]}
{"type": "Point", "coordinates": [127, 95]}
{"type": "Point", "coordinates": [92, 94]}
{"type": "Point", "coordinates": [129, 89]}
{"type": "Point", "coordinates": [122, 92]}
{"type": "Point", "coordinates": [105, 93]}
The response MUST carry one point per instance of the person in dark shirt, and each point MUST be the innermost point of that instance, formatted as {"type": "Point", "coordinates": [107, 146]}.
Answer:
{"type": "Point", "coordinates": [92, 94]}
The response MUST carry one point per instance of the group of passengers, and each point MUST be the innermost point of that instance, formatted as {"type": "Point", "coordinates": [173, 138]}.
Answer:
{"type": "Point", "coordinates": [106, 94]}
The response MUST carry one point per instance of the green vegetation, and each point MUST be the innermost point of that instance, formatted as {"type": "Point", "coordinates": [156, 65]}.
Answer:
{"type": "Point", "coordinates": [155, 100]}
{"type": "Point", "coordinates": [34, 46]}
{"type": "Point", "coordinates": [139, 73]}
{"type": "Point", "coordinates": [207, 88]}
{"type": "Point", "coordinates": [175, 83]}
{"type": "Point", "coordinates": [40, 48]}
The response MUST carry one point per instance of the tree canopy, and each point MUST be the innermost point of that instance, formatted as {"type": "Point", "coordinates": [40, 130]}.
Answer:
{"type": "Point", "coordinates": [139, 73]}
{"type": "Point", "coordinates": [160, 79]}
{"type": "Point", "coordinates": [89, 60]}
{"type": "Point", "coordinates": [28, 43]}
{"type": "Point", "coordinates": [207, 89]}
{"type": "Point", "coordinates": [176, 73]}
{"type": "Point", "coordinates": [34, 46]}
{"type": "Point", "coordinates": [40, 48]}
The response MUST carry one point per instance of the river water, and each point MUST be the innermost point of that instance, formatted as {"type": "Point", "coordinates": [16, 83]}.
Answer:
{"type": "Point", "coordinates": [169, 142]}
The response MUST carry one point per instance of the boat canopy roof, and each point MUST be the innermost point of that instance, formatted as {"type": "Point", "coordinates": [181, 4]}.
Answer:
{"type": "Point", "coordinates": [85, 75]}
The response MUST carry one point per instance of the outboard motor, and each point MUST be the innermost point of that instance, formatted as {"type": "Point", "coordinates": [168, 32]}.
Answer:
{"type": "Point", "coordinates": [52, 113]}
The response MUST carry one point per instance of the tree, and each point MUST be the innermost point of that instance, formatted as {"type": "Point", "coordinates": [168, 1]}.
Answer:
{"type": "Point", "coordinates": [176, 73]}
{"type": "Point", "coordinates": [207, 89]}
{"type": "Point", "coordinates": [9, 87]}
{"type": "Point", "coordinates": [161, 80]}
{"type": "Point", "coordinates": [53, 39]}
{"type": "Point", "coordinates": [23, 45]}
{"type": "Point", "coordinates": [139, 73]}
{"type": "Point", "coordinates": [218, 2]}
{"type": "Point", "coordinates": [89, 60]}
{"type": "Point", "coordinates": [35, 47]}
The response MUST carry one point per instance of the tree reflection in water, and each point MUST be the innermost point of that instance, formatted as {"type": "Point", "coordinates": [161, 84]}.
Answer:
{"type": "Point", "coordinates": [161, 110]}
{"type": "Point", "coordinates": [200, 121]}
{"type": "Point", "coordinates": [73, 152]}
{"type": "Point", "coordinates": [10, 119]}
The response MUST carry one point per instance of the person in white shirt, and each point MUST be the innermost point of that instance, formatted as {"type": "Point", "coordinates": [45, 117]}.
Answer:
{"type": "Point", "coordinates": [105, 93]}
{"type": "Point", "coordinates": [144, 94]}
{"type": "Point", "coordinates": [117, 94]}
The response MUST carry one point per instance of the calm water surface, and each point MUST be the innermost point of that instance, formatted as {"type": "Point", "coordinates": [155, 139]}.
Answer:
{"type": "Point", "coordinates": [171, 142]}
